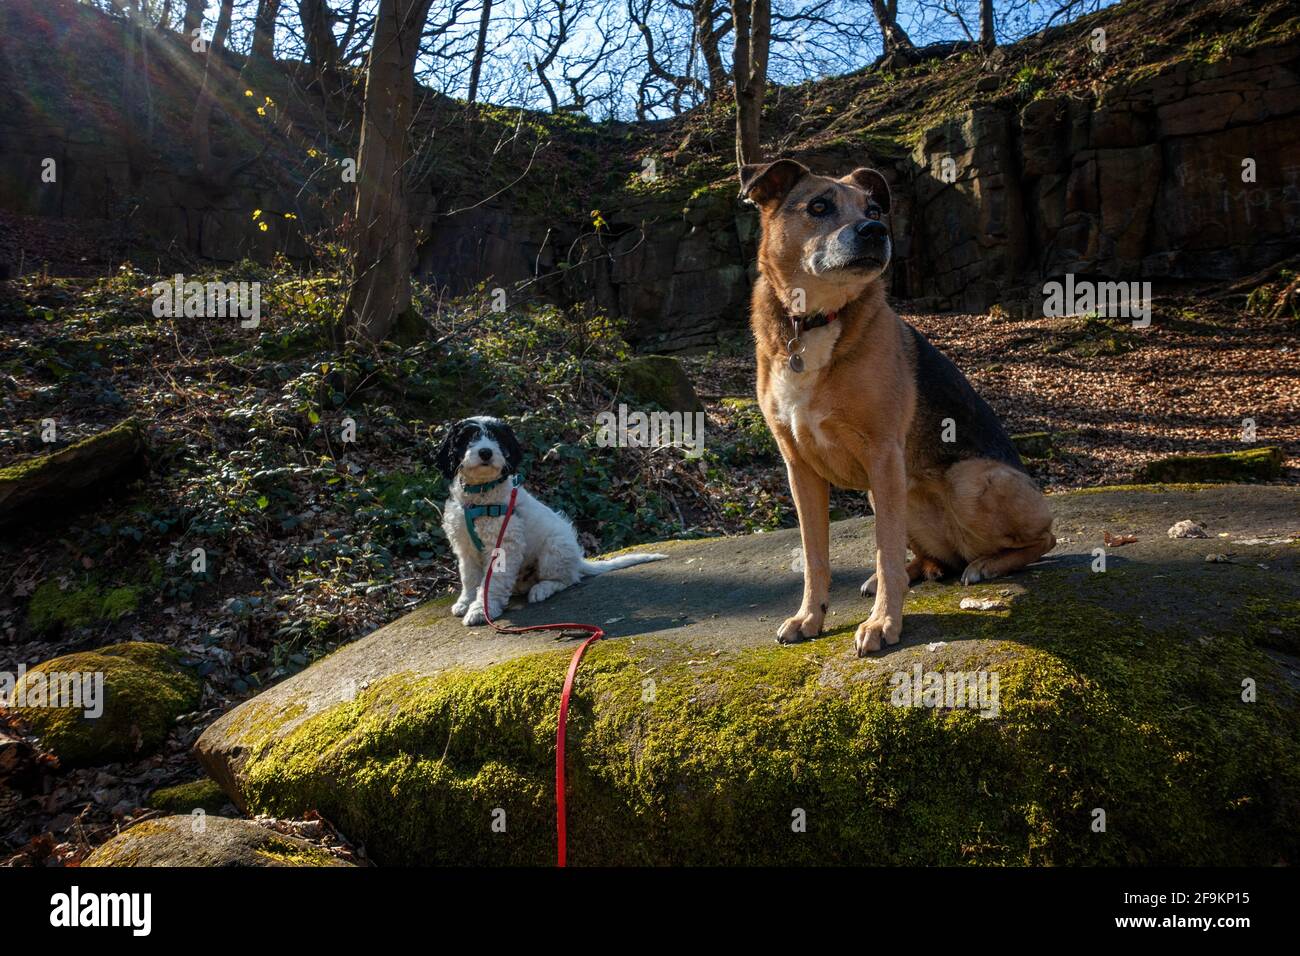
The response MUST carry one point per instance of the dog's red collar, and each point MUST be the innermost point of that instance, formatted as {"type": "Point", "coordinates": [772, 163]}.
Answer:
{"type": "Point", "coordinates": [807, 322]}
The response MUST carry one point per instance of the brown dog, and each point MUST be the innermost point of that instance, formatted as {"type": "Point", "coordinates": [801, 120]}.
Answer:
{"type": "Point", "coordinates": [855, 396]}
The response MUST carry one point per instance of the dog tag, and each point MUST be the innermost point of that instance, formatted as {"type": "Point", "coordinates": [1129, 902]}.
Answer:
{"type": "Point", "coordinates": [796, 362]}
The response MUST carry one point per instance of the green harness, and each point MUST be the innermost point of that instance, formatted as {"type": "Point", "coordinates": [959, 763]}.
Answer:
{"type": "Point", "coordinates": [474, 512]}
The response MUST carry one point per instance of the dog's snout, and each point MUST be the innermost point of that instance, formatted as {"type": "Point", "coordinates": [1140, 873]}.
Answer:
{"type": "Point", "coordinates": [485, 454]}
{"type": "Point", "coordinates": [871, 229]}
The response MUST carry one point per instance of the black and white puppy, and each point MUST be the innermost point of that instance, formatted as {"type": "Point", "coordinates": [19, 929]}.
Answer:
{"type": "Point", "coordinates": [540, 553]}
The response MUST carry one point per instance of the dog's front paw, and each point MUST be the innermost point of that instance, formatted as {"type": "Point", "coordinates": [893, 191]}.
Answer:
{"type": "Point", "coordinates": [875, 632]}
{"type": "Point", "coordinates": [868, 586]}
{"type": "Point", "coordinates": [460, 607]}
{"type": "Point", "coordinates": [800, 627]}
{"type": "Point", "coordinates": [976, 572]}
{"type": "Point", "coordinates": [475, 617]}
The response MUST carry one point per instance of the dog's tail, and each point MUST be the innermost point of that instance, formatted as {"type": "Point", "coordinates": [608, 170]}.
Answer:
{"type": "Point", "coordinates": [623, 561]}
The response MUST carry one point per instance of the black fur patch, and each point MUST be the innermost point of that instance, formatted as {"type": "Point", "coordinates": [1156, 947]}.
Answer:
{"type": "Point", "coordinates": [943, 392]}
{"type": "Point", "coordinates": [468, 430]}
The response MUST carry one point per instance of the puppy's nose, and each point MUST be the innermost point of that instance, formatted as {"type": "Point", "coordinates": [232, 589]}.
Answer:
{"type": "Point", "coordinates": [871, 229]}
{"type": "Point", "coordinates": [485, 454]}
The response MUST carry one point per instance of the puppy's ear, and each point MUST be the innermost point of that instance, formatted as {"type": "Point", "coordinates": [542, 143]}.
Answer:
{"type": "Point", "coordinates": [873, 183]}
{"type": "Point", "coordinates": [510, 449]}
{"type": "Point", "coordinates": [447, 457]}
{"type": "Point", "coordinates": [763, 183]}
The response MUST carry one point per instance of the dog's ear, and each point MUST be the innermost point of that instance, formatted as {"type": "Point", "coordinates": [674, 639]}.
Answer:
{"type": "Point", "coordinates": [874, 184]}
{"type": "Point", "coordinates": [762, 183]}
{"type": "Point", "coordinates": [510, 449]}
{"type": "Point", "coordinates": [447, 457]}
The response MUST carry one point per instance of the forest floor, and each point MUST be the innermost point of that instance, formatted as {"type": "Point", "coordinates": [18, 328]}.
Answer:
{"type": "Point", "coordinates": [313, 541]}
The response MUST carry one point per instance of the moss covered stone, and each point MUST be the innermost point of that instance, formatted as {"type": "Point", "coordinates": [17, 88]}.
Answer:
{"type": "Point", "coordinates": [659, 380]}
{"type": "Point", "coordinates": [48, 488]}
{"type": "Point", "coordinates": [204, 794]}
{"type": "Point", "coordinates": [145, 688]}
{"type": "Point", "coordinates": [695, 739]}
{"type": "Point", "coordinates": [1254, 464]}
{"type": "Point", "coordinates": [203, 840]}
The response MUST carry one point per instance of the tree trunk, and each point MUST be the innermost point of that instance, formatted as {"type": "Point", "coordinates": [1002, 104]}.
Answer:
{"type": "Point", "coordinates": [193, 18]}
{"type": "Point", "coordinates": [988, 39]}
{"type": "Point", "coordinates": [709, 36]}
{"type": "Point", "coordinates": [893, 37]}
{"type": "Point", "coordinates": [264, 29]}
{"type": "Point", "coordinates": [753, 26]}
{"type": "Point", "coordinates": [381, 282]}
{"type": "Point", "coordinates": [480, 49]}
{"type": "Point", "coordinates": [318, 34]}
{"type": "Point", "coordinates": [200, 129]}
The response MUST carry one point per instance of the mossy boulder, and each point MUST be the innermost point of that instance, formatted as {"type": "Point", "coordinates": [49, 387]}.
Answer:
{"type": "Point", "coordinates": [1253, 464]}
{"type": "Point", "coordinates": [145, 688]}
{"type": "Point", "coordinates": [204, 794]}
{"type": "Point", "coordinates": [1146, 691]}
{"type": "Point", "coordinates": [659, 380]}
{"type": "Point", "coordinates": [202, 840]}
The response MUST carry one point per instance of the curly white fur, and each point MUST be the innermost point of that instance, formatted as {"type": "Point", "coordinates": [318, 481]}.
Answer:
{"type": "Point", "coordinates": [539, 555]}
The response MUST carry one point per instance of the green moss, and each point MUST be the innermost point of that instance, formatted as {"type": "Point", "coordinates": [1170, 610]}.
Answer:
{"type": "Point", "coordinates": [281, 852]}
{"type": "Point", "coordinates": [144, 689]}
{"type": "Point", "coordinates": [1101, 705]}
{"type": "Point", "coordinates": [1252, 464]}
{"type": "Point", "coordinates": [202, 794]}
{"type": "Point", "coordinates": [1155, 488]}
{"type": "Point", "coordinates": [16, 473]}
{"type": "Point", "coordinates": [52, 608]}
{"type": "Point", "coordinates": [1270, 622]}
{"type": "Point", "coordinates": [659, 380]}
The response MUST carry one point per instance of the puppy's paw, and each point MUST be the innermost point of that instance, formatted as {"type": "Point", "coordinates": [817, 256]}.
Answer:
{"type": "Point", "coordinates": [475, 617]}
{"type": "Point", "coordinates": [460, 607]}
{"type": "Point", "coordinates": [868, 586]}
{"type": "Point", "coordinates": [876, 632]}
{"type": "Point", "coordinates": [800, 627]}
{"type": "Point", "coordinates": [542, 590]}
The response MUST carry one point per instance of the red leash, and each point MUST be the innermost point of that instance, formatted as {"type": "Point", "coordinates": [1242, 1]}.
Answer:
{"type": "Point", "coordinates": [563, 725]}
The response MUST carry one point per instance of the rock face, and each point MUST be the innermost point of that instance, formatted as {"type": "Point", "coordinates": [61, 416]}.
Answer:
{"type": "Point", "coordinates": [1147, 182]}
{"type": "Point", "coordinates": [144, 690]}
{"type": "Point", "coordinates": [1161, 691]}
{"type": "Point", "coordinates": [207, 841]}
{"type": "Point", "coordinates": [1138, 181]}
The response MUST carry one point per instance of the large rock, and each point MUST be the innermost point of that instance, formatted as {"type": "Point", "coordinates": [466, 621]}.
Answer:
{"type": "Point", "coordinates": [694, 738]}
{"type": "Point", "coordinates": [144, 689]}
{"type": "Point", "coordinates": [202, 840]}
